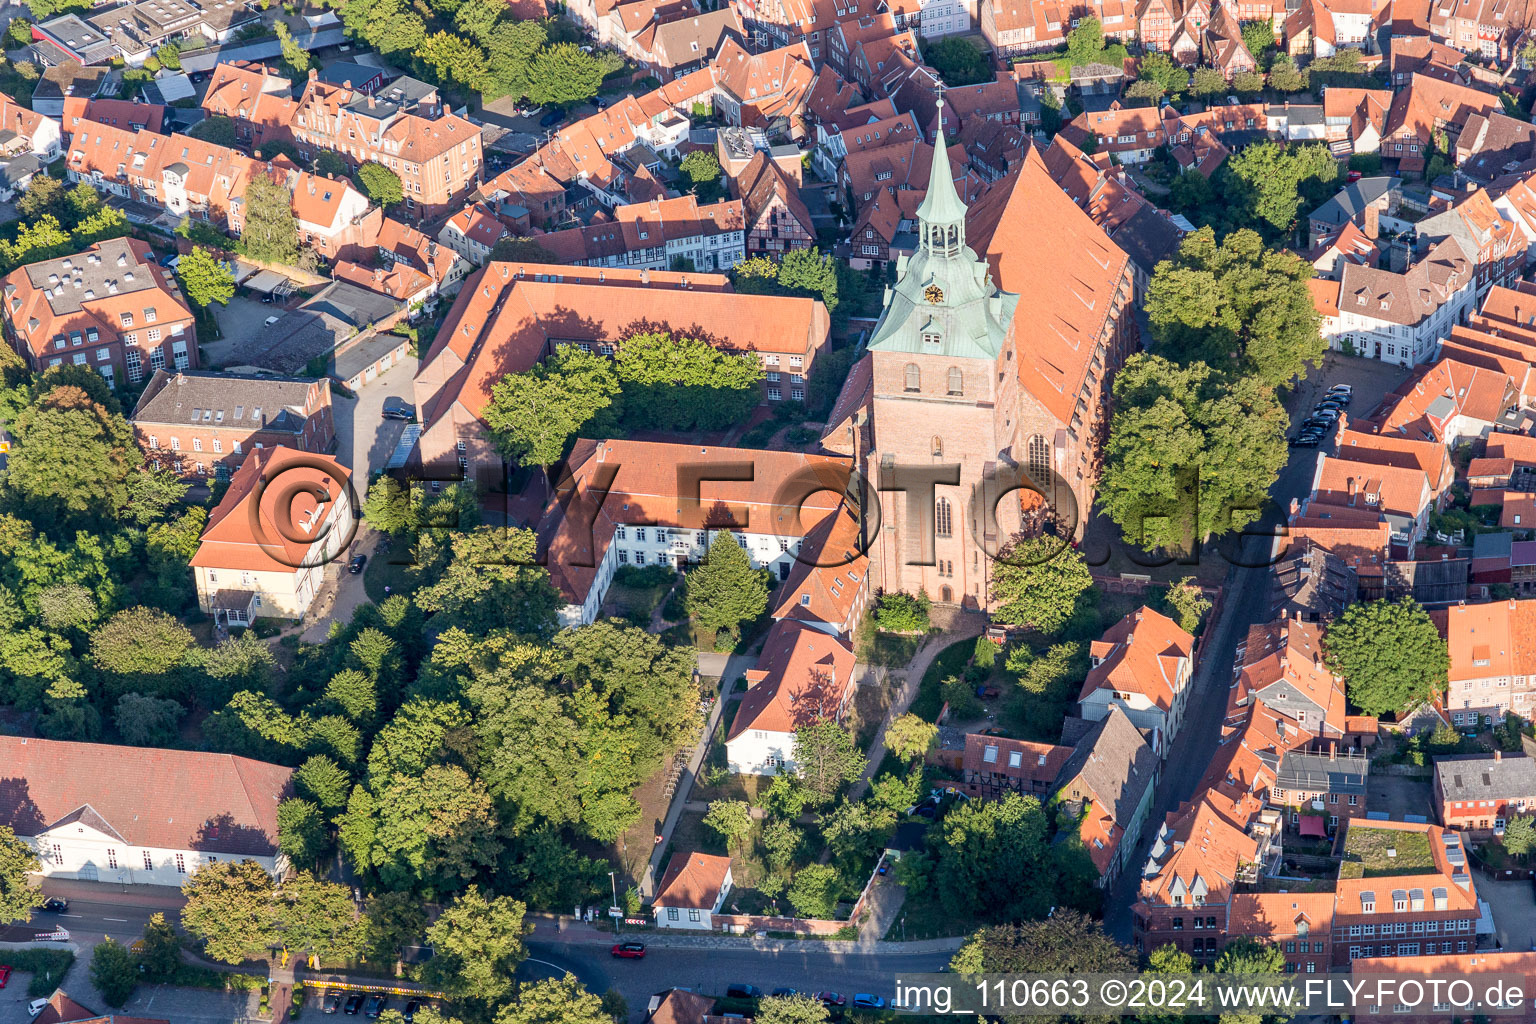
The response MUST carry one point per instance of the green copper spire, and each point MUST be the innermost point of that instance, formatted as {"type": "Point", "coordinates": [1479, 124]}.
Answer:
{"type": "Point", "coordinates": [942, 214]}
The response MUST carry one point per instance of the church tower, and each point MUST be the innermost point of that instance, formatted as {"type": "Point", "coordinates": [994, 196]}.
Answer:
{"type": "Point", "coordinates": [939, 389]}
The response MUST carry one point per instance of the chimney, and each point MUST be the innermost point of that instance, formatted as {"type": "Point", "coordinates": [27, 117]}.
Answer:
{"type": "Point", "coordinates": [347, 84]}
{"type": "Point", "coordinates": [1333, 752]}
{"type": "Point", "coordinates": [645, 275]}
{"type": "Point", "coordinates": [1351, 484]}
{"type": "Point", "coordinates": [1498, 755]}
{"type": "Point", "coordinates": [371, 103]}
{"type": "Point", "coordinates": [181, 378]}
{"type": "Point", "coordinates": [256, 154]}
{"type": "Point", "coordinates": [313, 74]}
{"type": "Point", "coordinates": [1372, 222]}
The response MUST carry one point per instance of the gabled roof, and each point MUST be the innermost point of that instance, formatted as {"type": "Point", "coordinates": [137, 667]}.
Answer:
{"type": "Point", "coordinates": [1288, 653]}
{"type": "Point", "coordinates": [802, 676]}
{"type": "Point", "coordinates": [1142, 653]}
{"type": "Point", "coordinates": [248, 532]}
{"type": "Point", "coordinates": [829, 574]}
{"type": "Point", "coordinates": [165, 799]}
{"type": "Point", "coordinates": [1113, 762]}
{"type": "Point", "coordinates": [692, 881]}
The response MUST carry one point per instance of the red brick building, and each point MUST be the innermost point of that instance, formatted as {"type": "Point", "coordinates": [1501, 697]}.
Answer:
{"type": "Point", "coordinates": [197, 422]}
{"type": "Point", "coordinates": [111, 307]}
{"type": "Point", "coordinates": [1479, 792]}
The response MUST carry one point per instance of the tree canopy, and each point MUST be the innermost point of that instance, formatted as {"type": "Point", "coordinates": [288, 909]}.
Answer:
{"type": "Point", "coordinates": [1038, 581]}
{"type": "Point", "coordinates": [535, 414]}
{"type": "Point", "coordinates": [1191, 454]}
{"type": "Point", "coordinates": [1389, 654]}
{"type": "Point", "coordinates": [204, 278]}
{"type": "Point", "coordinates": [1239, 306]}
{"type": "Point", "coordinates": [724, 590]}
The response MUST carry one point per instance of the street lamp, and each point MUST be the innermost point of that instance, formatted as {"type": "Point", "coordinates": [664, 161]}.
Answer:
{"type": "Point", "coordinates": [617, 920]}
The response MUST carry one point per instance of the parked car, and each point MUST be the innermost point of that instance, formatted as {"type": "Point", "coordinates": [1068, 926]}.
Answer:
{"type": "Point", "coordinates": [5, 975]}
{"type": "Point", "coordinates": [1305, 442]}
{"type": "Point", "coordinates": [376, 1005]}
{"type": "Point", "coordinates": [830, 999]}
{"type": "Point", "coordinates": [56, 904]}
{"type": "Point", "coordinates": [409, 1013]}
{"type": "Point", "coordinates": [1347, 389]}
{"type": "Point", "coordinates": [270, 321]}
{"type": "Point", "coordinates": [353, 1004]}
{"type": "Point", "coordinates": [865, 1001]}
{"type": "Point", "coordinates": [741, 991]}
{"type": "Point", "coordinates": [629, 950]}
{"type": "Point", "coordinates": [356, 565]}
{"type": "Point", "coordinates": [332, 1001]}
{"type": "Point", "coordinates": [1329, 415]}
{"type": "Point", "coordinates": [398, 409]}
{"type": "Point", "coordinates": [36, 1007]}
{"type": "Point", "coordinates": [551, 119]}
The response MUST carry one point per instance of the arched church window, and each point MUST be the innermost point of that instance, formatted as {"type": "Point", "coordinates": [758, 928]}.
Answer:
{"type": "Point", "coordinates": [914, 378]}
{"type": "Point", "coordinates": [956, 381]}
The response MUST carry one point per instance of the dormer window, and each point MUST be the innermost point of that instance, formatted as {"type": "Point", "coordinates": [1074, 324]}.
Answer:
{"type": "Point", "coordinates": [931, 341]}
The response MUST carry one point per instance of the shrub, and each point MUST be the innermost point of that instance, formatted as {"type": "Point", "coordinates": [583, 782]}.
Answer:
{"type": "Point", "coordinates": [961, 698]}
{"type": "Point", "coordinates": [644, 576]}
{"type": "Point", "coordinates": [903, 613]}
{"type": "Point", "coordinates": [986, 653]}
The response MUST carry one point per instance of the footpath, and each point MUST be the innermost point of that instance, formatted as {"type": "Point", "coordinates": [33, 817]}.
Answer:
{"type": "Point", "coordinates": [561, 928]}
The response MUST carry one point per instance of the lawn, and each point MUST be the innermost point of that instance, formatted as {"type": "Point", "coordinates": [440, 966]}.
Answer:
{"type": "Point", "coordinates": [380, 572]}
{"type": "Point", "coordinates": [634, 603]}
{"type": "Point", "coordinates": [1366, 852]}
{"type": "Point", "coordinates": [950, 662]}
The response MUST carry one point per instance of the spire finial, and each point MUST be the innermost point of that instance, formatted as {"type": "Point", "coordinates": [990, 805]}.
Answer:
{"type": "Point", "coordinates": [942, 204]}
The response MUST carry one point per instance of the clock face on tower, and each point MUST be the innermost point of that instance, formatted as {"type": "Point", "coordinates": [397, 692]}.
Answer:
{"type": "Point", "coordinates": [934, 294]}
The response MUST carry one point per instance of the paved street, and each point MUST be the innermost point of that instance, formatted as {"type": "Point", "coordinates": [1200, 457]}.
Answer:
{"type": "Point", "coordinates": [1246, 604]}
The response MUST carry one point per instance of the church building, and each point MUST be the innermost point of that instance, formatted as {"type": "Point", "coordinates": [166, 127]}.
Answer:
{"type": "Point", "coordinates": [980, 407]}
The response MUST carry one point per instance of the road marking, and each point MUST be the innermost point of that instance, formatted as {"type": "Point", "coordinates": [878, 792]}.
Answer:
{"type": "Point", "coordinates": [71, 915]}
{"type": "Point", "coordinates": [546, 963]}
{"type": "Point", "coordinates": [119, 920]}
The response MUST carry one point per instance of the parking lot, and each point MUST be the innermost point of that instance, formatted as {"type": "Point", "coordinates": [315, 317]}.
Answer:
{"type": "Point", "coordinates": [242, 322]}
{"type": "Point", "coordinates": [1371, 380]}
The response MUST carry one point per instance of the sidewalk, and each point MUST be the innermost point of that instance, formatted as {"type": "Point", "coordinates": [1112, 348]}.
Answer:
{"type": "Point", "coordinates": [569, 931]}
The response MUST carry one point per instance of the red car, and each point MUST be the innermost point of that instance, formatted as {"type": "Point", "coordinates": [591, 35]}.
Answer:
{"type": "Point", "coordinates": [5, 975]}
{"type": "Point", "coordinates": [629, 950]}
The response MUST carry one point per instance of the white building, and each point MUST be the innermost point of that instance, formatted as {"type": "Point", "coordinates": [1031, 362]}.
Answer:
{"type": "Point", "coordinates": [1398, 318]}
{"type": "Point", "coordinates": [134, 815]}
{"type": "Point", "coordinates": [804, 674]}
{"type": "Point", "coordinates": [1142, 665]}
{"type": "Point", "coordinates": [693, 889]}
{"type": "Point", "coordinates": [258, 562]}
{"type": "Point", "coordinates": [641, 519]}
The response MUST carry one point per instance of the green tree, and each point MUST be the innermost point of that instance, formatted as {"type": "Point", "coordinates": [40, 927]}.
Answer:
{"type": "Point", "coordinates": [1085, 43]}
{"type": "Point", "coordinates": [18, 896]}
{"type": "Point", "coordinates": [161, 955]}
{"type": "Point", "coordinates": [903, 613]}
{"type": "Point", "coordinates": [323, 781]}
{"type": "Point", "coordinates": [114, 972]}
{"type": "Point", "coordinates": [230, 907]}
{"type": "Point", "coordinates": [152, 493]}
{"type": "Point", "coordinates": [204, 278]}
{"type": "Point", "coordinates": [67, 606]}
{"type": "Point", "coordinates": [492, 582]}
{"type": "Point", "coordinates": [510, 47]}
{"type": "Point", "coordinates": [438, 830]}
{"type": "Point", "coordinates": [455, 61]}
{"type": "Point", "coordinates": [44, 194]}
{"type": "Point", "coordinates": [1520, 835]}
{"type": "Point", "coordinates": [522, 250]}
{"type": "Point", "coordinates": [1069, 942]}
{"type": "Point", "coordinates": [392, 921]}
{"type": "Point", "coordinates": [329, 164]}
{"type": "Point", "coordinates": [1258, 36]}
{"type": "Point", "coordinates": [294, 56]}
{"type": "Point", "coordinates": [725, 590]}
{"type": "Point", "coordinates": [826, 758]}
{"type": "Point", "coordinates": [562, 75]}
{"type": "Point", "coordinates": [1249, 957]}
{"type": "Point", "coordinates": [957, 60]}
{"type": "Point", "coordinates": [534, 415]}
{"type": "Point", "coordinates": [675, 382]}
{"type": "Point", "coordinates": [140, 642]}
{"type": "Point", "coordinates": [703, 171]}
{"type": "Point", "coordinates": [1271, 178]}
{"type": "Point", "coordinates": [995, 861]}
{"type": "Point", "coordinates": [910, 738]}
{"type": "Point", "coordinates": [809, 272]}
{"type": "Point", "coordinates": [796, 1009]}
{"type": "Point", "coordinates": [1389, 654]}
{"type": "Point", "coordinates": [731, 819]}
{"type": "Point", "coordinates": [1284, 77]}
{"type": "Point", "coordinates": [1248, 83]}
{"type": "Point", "coordinates": [1187, 599]}
{"type": "Point", "coordinates": [554, 1001]}
{"type": "Point", "coordinates": [301, 831]}
{"type": "Point", "coordinates": [145, 721]}
{"type": "Point", "coordinates": [477, 943]}
{"type": "Point", "coordinates": [318, 918]}
{"type": "Point", "coordinates": [1207, 83]}
{"type": "Point", "coordinates": [71, 456]}
{"type": "Point", "coordinates": [1038, 581]}
{"type": "Point", "coordinates": [380, 184]}
{"type": "Point", "coordinates": [1236, 305]}
{"type": "Point", "coordinates": [353, 693]}
{"type": "Point", "coordinates": [815, 890]}
{"type": "Point", "coordinates": [217, 129]}
{"type": "Point", "coordinates": [1191, 454]}
{"type": "Point", "coordinates": [270, 232]}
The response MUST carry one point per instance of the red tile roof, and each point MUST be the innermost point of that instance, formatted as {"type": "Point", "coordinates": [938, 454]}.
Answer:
{"type": "Point", "coordinates": [166, 799]}
{"type": "Point", "coordinates": [692, 881]}
{"type": "Point", "coordinates": [802, 676]}
{"type": "Point", "coordinates": [1142, 653]}
{"type": "Point", "coordinates": [248, 531]}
